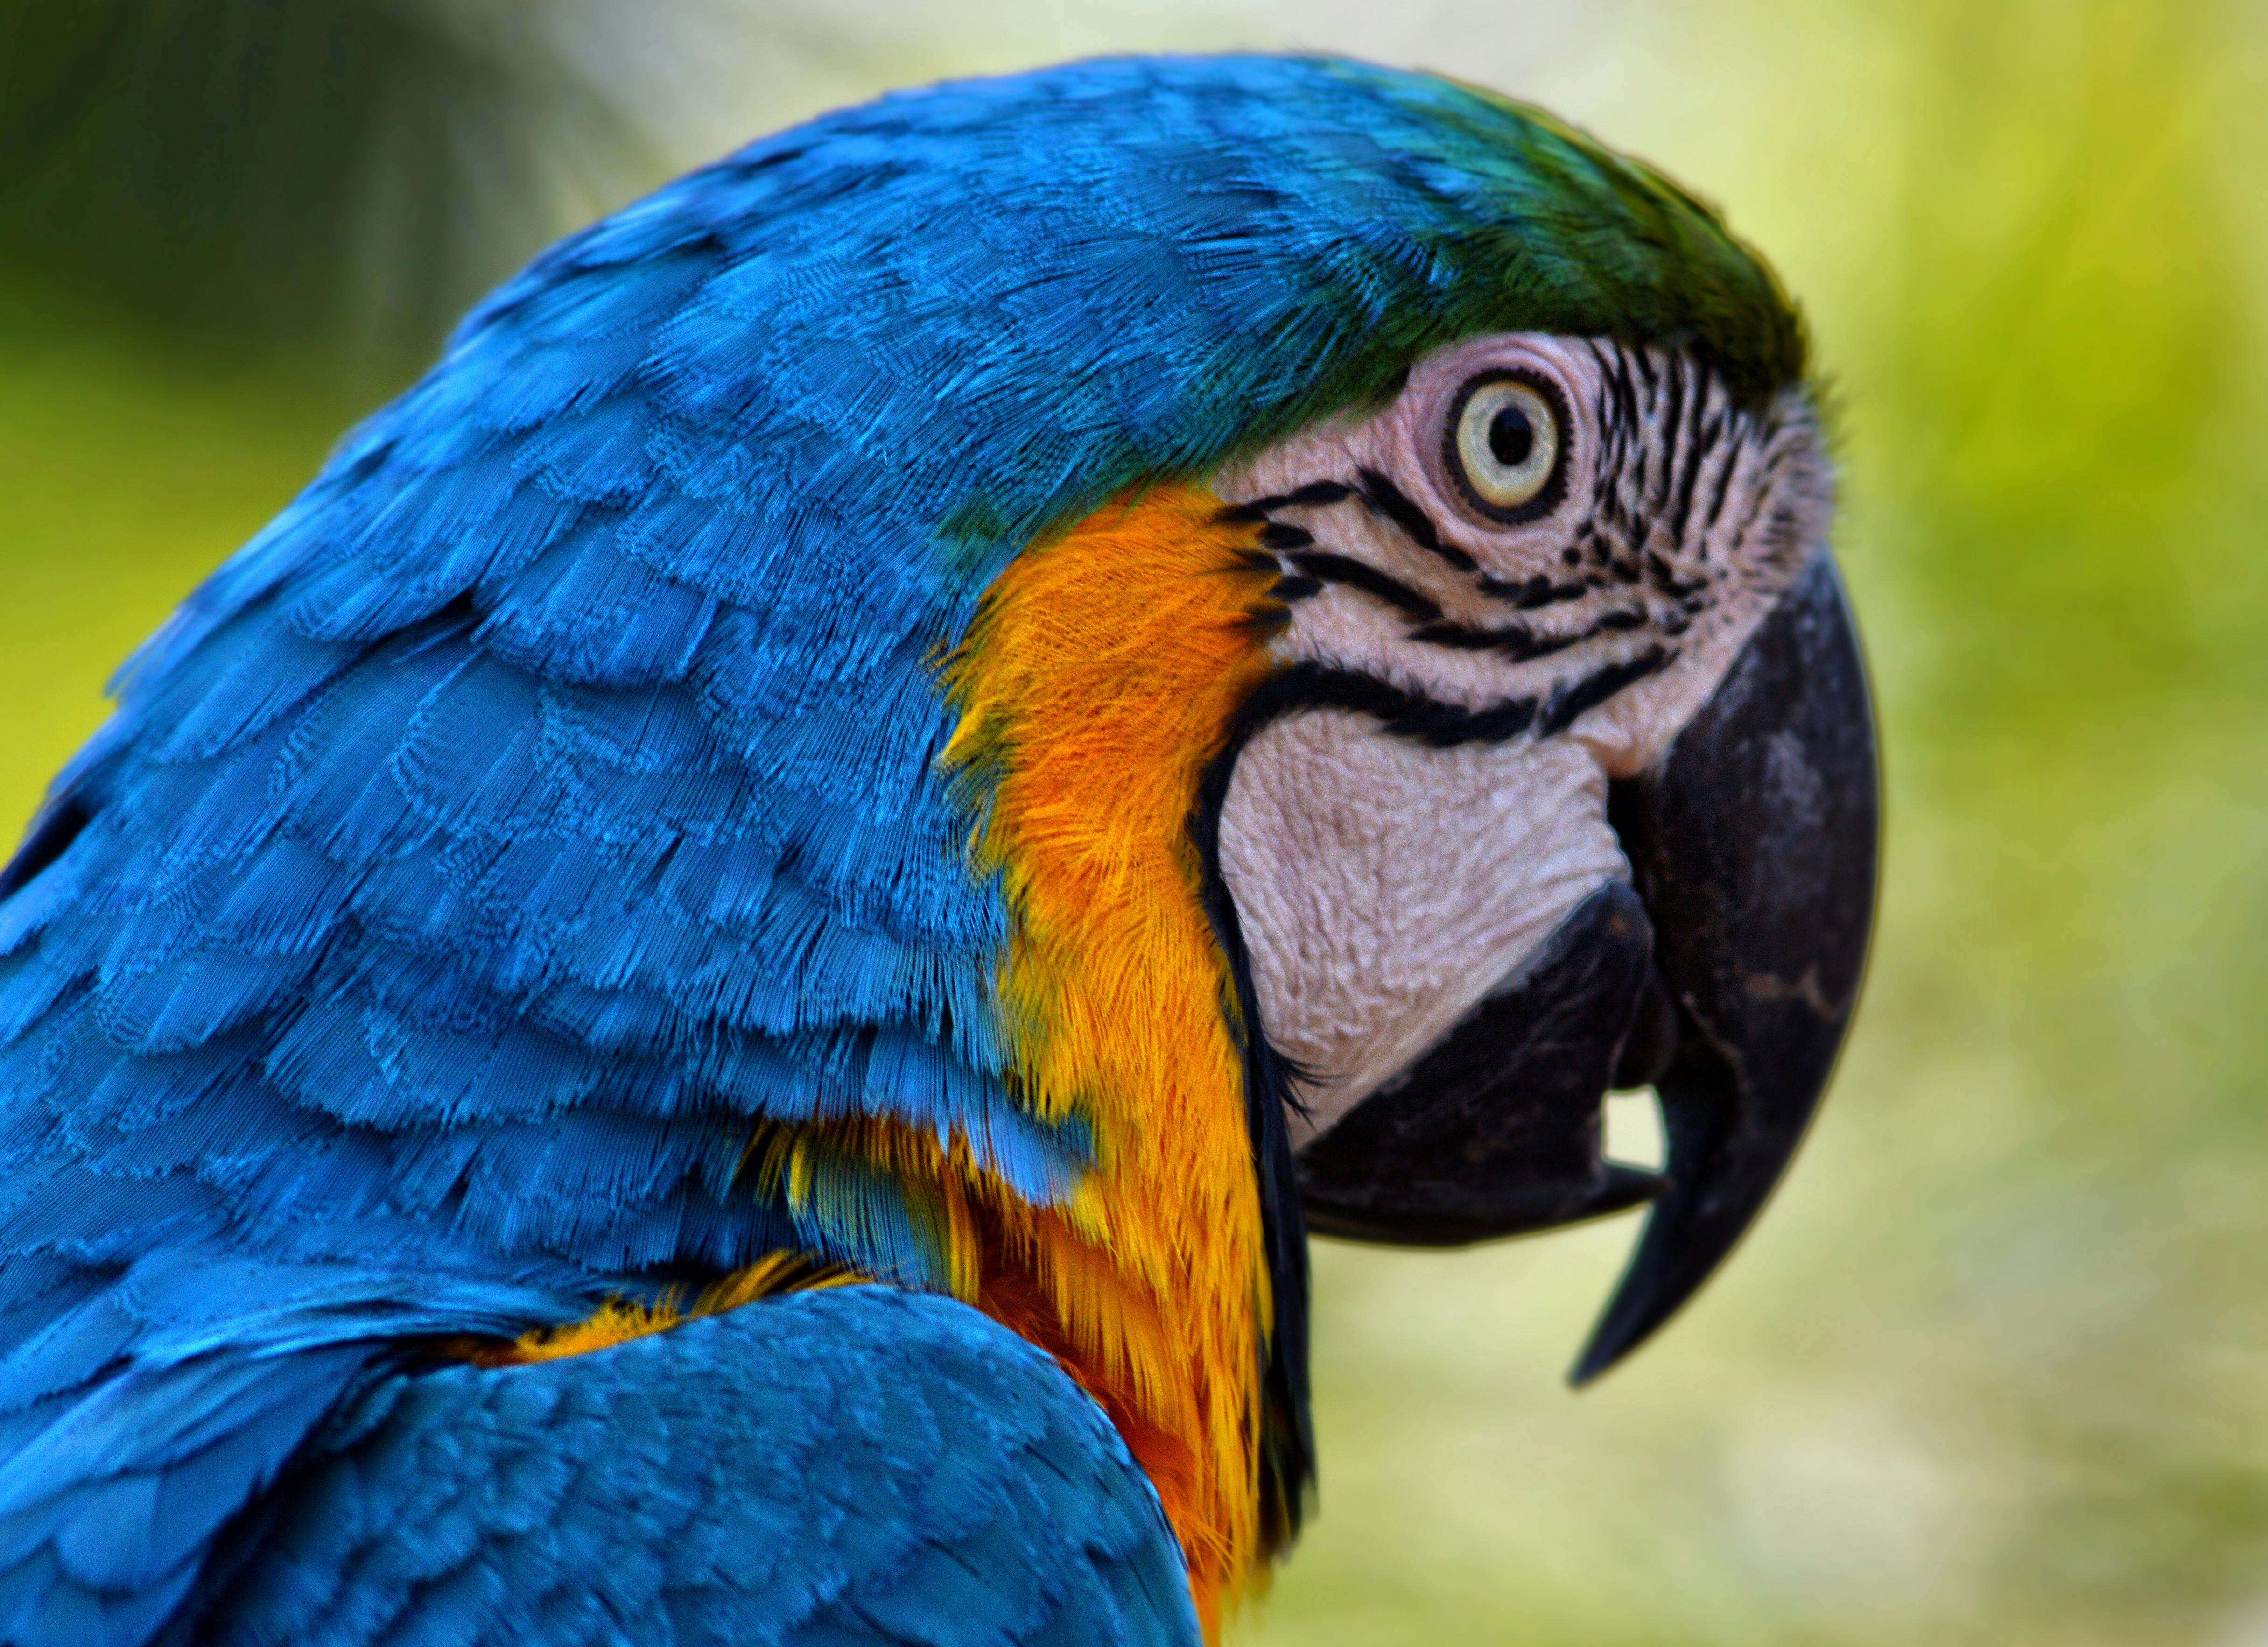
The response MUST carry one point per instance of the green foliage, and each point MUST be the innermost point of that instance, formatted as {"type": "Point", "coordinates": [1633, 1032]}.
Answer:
{"type": "Point", "coordinates": [123, 482]}
{"type": "Point", "coordinates": [274, 171]}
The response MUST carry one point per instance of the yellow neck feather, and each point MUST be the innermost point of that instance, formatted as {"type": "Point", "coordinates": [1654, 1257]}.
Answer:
{"type": "Point", "coordinates": [1097, 682]}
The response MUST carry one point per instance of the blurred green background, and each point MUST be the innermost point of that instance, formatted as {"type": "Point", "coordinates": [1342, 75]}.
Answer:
{"type": "Point", "coordinates": [1994, 1368]}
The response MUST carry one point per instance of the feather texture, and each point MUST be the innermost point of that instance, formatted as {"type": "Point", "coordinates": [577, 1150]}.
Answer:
{"type": "Point", "coordinates": [853, 1466]}
{"type": "Point", "coordinates": [529, 875]}
{"type": "Point", "coordinates": [1088, 721]}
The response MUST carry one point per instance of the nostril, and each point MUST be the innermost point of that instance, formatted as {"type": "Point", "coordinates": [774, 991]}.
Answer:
{"type": "Point", "coordinates": [1651, 1043]}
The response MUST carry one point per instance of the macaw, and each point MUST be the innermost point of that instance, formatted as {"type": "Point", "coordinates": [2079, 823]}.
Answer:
{"type": "Point", "coordinates": [705, 997]}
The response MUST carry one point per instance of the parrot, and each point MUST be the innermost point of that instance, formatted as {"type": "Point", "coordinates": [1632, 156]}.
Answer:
{"type": "Point", "coordinates": [708, 996]}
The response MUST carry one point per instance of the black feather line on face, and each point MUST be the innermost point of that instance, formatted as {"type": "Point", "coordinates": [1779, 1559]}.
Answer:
{"type": "Point", "coordinates": [1508, 641]}
{"type": "Point", "coordinates": [1528, 593]}
{"type": "Point", "coordinates": [1381, 585]}
{"type": "Point", "coordinates": [1313, 494]}
{"type": "Point", "coordinates": [1594, 689]}
{"type": "Point", "coordinates": [1397, 507]}
{"type": "Point", "coordinates": [1663, 449]}
{"type": "Point", "coordinates": [1411, 716]}
{"type": "Point", "coordinates": [1287, 1433]}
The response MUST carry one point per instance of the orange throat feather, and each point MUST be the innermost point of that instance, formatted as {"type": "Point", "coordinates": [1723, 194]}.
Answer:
{"type": "Point", "coordinates": [1098, 681]}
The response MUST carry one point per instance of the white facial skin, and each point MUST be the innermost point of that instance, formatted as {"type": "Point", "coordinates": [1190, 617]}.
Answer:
{"type": "Point", "coordinates": [1394, 862]}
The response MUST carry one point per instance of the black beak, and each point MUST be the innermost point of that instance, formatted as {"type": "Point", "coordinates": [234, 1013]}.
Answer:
{"type": "Point", "coordinates": [1725, 979]}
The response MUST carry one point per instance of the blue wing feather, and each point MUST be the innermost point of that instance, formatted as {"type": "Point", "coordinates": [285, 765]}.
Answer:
{"type": "Point", "coordinates": [855, 1465]}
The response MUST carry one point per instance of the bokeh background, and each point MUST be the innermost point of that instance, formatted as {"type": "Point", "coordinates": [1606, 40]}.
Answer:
{"type": "Point", "coordinates": [1994, 1367]}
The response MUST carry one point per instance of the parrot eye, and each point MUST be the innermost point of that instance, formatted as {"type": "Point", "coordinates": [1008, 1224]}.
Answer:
{"type": "Point", "coordinates": [1503, 445]}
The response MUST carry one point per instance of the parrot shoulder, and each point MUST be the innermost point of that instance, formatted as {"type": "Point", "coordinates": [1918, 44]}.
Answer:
{"type": "Point", "coordinates": [856, 1463]}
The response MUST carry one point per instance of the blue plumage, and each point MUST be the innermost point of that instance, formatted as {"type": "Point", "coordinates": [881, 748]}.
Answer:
{"type": "Point", "coordinates": [842, 1465]}
{"type": "Point", "coordinates": [549, 796]}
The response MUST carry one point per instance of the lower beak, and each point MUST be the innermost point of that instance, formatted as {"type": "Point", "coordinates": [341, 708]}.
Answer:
{"type": "Point", "coordinates": [1724, 977]}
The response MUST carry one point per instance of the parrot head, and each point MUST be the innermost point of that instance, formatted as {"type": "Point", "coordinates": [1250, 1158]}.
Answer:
{"type": "Point", "coordinates": [1565, 782]}
{"type": "Point", "coordinates": [1475, 656]}
{"type": "Point", "coordinates": [1441, 711]}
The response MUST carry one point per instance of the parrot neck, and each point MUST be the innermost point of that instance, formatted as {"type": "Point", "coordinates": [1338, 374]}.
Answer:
{"type": "Point", "coordinates": [1099, 679]}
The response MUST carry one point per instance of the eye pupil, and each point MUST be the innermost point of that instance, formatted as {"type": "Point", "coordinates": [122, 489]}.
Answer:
{"type": "Point", "coordinates": [1511, 436]}
{"type": "Point", "coordinates": [1505, 446]}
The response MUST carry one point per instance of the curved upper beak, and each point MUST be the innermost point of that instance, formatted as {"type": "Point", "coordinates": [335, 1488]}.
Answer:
{"type": "Point", "coordinates": [1725, 977]}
